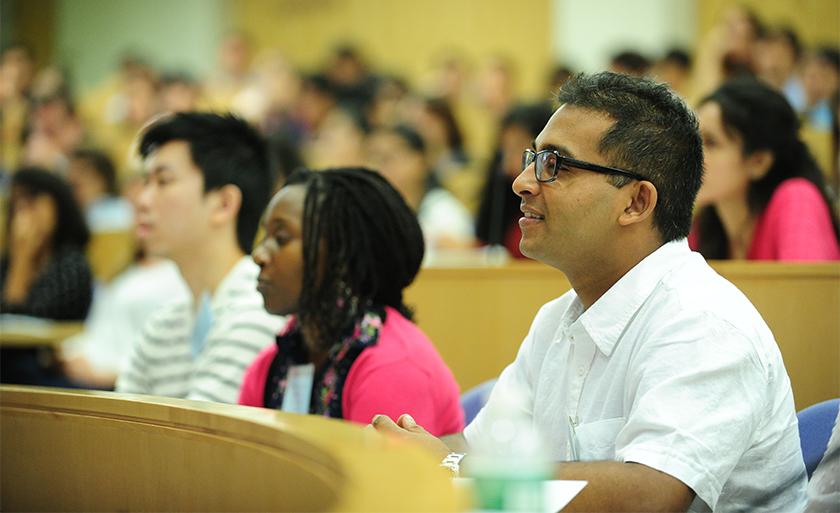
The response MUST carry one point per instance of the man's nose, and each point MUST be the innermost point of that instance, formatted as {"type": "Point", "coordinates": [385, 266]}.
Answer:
{"type": "Point", "coordinates": [526, 182]}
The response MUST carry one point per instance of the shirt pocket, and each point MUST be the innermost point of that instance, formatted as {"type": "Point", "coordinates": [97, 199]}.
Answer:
{"type": "Point", "coordinates": [596, 440]}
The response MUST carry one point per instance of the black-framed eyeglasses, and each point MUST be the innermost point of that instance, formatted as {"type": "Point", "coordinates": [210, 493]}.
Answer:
{"type": "Point", "coordinates": [549, 162]}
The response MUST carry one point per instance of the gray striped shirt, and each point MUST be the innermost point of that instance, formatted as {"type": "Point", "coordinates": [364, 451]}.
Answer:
{"type": "Point", "coordinates": [162, 362]}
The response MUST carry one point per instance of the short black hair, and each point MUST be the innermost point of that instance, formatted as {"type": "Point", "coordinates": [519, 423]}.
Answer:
{"type": "Point", "coordinates": [319, 83]}
{"type": "Point", "coordinates": [632, 61]}
{"type": "Point", "coordinates": [789, 36]}
{"type": "Point", "coordinates": [409, 136]}
{"type": "Point", "coordinates": [362, 245]}
{"type": "Point", "coordinates": [71, 230]}
{"type": "Point", "coordinates": [178, 77]}
{"type": "Point", "coordinates": [102, 165]}
{"type": "Point", "coordinates": [679, 57]}
{"type": "Point", "coordinates": [442, 109]}
{"type": "Point", "coordinates": [655, 135]}
{"type": "Point", "coordinates": [829, 55]}
{"type": "Point", "coordinates": [227, 150]}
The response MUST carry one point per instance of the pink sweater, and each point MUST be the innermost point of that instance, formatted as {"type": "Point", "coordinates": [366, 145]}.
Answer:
{"type": "Point", "coordinates": [795, 226]}
{"type": "Point", "coordinates": [402, 373]}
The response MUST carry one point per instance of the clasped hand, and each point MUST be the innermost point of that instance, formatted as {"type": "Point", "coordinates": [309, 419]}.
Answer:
{"type": "Point", "coordinates": [407, 429]}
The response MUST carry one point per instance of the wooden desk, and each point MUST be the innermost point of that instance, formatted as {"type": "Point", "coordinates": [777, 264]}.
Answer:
{"type": "Point", "coordinates": [100, 451]}
{"type": "Point", "coordinates": [477, 317]}
{"type": "Point", "coordinates": [38, 333]}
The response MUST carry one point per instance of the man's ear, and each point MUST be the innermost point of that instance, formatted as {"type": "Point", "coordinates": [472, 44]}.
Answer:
{"type": "Point", "coordinates": [227, 204]}
{"type": "Point", "coordinates": [640, 203]}
{"type": "Point", "coordinates": [759, 163]}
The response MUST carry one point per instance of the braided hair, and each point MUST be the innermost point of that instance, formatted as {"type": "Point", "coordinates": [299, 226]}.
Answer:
{"type": "Point", "coordinates": [362, 245]}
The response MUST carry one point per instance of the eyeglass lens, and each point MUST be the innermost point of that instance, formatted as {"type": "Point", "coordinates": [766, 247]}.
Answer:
{"type": "Point", "coordinates": [546, 163]}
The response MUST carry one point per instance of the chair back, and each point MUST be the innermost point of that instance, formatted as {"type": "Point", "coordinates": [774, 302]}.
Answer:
{"type": "Point", "coordinates": [474, 399]}
{"type": "Point", "coordinates": [815, 425]}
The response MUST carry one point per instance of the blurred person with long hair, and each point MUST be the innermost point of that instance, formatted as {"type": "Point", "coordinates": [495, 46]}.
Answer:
{"type": "Point", "coordinates": [443, 137]}
{"type": "Point", "coordinates": [54, 130]}
{"type": "Point", "coordinates": [763, 195]}
{"type": "Point", "coordinates": [498, 214]}
{"type": "Point", "coordinates": [43, 267]}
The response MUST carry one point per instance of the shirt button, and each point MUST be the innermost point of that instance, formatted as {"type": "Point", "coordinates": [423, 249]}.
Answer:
{"type": "Point", "coordinates": [581, 371]}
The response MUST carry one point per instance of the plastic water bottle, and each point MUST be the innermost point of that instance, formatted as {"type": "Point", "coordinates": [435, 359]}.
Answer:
{"type": "Point", "coordinates": [511, 464]}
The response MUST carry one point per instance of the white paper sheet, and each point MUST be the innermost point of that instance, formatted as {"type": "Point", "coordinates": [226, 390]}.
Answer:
{"type": "Point", "coordinates": [558, 493]}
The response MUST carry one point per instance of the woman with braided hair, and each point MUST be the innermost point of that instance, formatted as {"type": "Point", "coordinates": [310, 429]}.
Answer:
{"type": "Point", "coordinates": [340, 246]}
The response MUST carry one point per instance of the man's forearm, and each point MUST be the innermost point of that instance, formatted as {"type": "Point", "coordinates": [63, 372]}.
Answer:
{"type": "Point", "coordinates": [615, 486]}
{"type": "Point", "coordinates": [612, 486]}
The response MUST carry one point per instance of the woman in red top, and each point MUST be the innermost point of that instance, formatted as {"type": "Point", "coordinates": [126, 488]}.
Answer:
{"type": "Point", "coordinates": [763, 195]}
{"type": "Point", "coordinates": [340, 246]}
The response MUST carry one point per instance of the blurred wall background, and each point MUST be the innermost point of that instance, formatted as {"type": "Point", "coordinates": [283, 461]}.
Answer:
{"type": "Point", "coordinates": [89, 36]}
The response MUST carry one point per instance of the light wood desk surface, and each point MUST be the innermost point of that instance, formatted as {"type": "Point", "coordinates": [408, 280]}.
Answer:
{"type": "Point", "coordinates": [97, 451]}
{"type": "Point", "coordinates": [49, 334]}
{"type": "Point", "coordinates": [478, 316]}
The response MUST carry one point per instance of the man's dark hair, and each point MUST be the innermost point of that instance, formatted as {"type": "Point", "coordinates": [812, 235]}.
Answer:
{"type": "Point", "coordinates": [789, 36]}
{"type": "Point", "coordinates": [362, 245]}
{"type": "Point", "coordinates": [830, 55]}
{"type": "Point", "coordinates": [227, 150]}
{"type": "Point", "coordinates": [679, 57]}
{"type": "Point", "coordinates": [632, 61]}
{"type": "Point", "coordinates": [321, 84]}
{"type": "Point", "coordinates": [655, 135]}
{"type": "Point", "coordinates": [177, 78]}
{"type": "Point", "coordinates": [103, 166]}
{"type": "Point", "coordinates": [410, 137]}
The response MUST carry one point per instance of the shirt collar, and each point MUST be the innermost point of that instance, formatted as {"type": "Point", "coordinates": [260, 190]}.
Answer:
{"type": "Point", "coordinates": [606, 320]}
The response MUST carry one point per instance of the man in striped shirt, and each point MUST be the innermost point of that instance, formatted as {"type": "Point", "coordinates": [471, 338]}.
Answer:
{"type": "Point", "coordinates": [207, 183]}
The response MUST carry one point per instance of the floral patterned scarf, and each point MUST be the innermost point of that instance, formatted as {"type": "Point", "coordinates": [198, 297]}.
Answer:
{"type": "Point", "coordinates": [328, 382]}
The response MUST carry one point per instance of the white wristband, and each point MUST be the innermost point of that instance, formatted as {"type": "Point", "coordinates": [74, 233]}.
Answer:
{"type": "Point", "coordinates": [452, 461]}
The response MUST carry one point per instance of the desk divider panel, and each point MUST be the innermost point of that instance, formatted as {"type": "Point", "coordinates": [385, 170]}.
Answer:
{"type": "Point", "coordinates": [97, 451]}
{"type": "Point", "coordinates": [478, 316]}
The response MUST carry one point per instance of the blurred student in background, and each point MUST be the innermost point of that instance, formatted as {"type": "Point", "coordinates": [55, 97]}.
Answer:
{"type": "Point", "coordinates": [43, 268]}
{"type": "Point", "coordinates": [763, 195]}
{"type": "Point", "coordinates": [498, 214]}
{"type": "Point", "coordinates": [674, 68]}
{"type": "Point", "coordinates": [399, 153]}
{"type": "Point", "coordinates": [120, 310]}
{"type": "Point", "coordinates": [93, 177]}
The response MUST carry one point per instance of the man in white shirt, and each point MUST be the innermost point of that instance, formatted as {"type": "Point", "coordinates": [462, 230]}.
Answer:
{"type": "Point", "coordinates": [654, 379]}
{"type": "Point", "coordinates": [207, 183]}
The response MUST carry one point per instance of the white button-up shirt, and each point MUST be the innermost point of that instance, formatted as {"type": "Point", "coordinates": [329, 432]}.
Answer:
{"type": "Point", "coordinates": [672, 368]}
